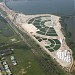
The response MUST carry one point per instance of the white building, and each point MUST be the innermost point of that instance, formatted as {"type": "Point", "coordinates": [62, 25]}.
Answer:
{"type": "Point", "coordinates": [64, 55]}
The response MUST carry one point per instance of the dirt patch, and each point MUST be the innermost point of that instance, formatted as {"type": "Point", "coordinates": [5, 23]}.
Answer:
{"type": "Point", "coordinates": [73, 66]}
{"type": "Point", "coordinates": [23, 71]}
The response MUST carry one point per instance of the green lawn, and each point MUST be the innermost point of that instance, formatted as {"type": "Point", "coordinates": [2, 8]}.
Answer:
{"type": "Point", "coordinates": [52, 42]}
{"type": "Point", "coordinates": [44, 29]}
{"type": "Point", "coordinates": [25, 60]}
{"type": "Point", "coordinates": [36, 23]}
{"type": "Point", "coordinates": [47, 47]}
{"type": "Point", "coordinates": [51, 50]}
{"type": "Point", "coordinates": [51, 34]}
{"type": "Point", "coordinates": [30, 21]}
{"type": "Point", "coordinates": [3, 12]}
{"type": "Point", "coordinates": [7, 34]}
{"type": "Point", "coordinates": [39, 32]}
{"type": "Point", "coordinates": [56, 47]}
{"type": "Point", "coordinates": [38, 27]}
{"type": "Point", "coordinates": [57, 41]}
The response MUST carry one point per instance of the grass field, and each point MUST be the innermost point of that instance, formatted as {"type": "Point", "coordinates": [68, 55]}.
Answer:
{"type": "Point", "coordinates": [26, 61]}
{"type": "Point", "coordinates": [24, 56]}
{"type": "Point", "coordinates": [7, 35]}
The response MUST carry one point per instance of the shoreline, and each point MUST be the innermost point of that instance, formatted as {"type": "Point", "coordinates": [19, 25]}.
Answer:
{"type": "Point", "coordinates": [70, 38]}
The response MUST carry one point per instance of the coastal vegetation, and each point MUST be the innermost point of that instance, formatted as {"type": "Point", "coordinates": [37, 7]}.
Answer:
{"type": "Point", "coordinates": [7, 35]}
{"type": "Point", "coordinates": [70, 42]}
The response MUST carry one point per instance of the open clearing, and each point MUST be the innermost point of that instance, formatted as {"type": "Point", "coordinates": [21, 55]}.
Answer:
{"type": "Point", "coordinates": [27, 64]}
{"type": "Point", "coordinates": [7, 35]}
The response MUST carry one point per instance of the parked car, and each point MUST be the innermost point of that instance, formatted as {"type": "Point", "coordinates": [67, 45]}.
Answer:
{"type": "Point", "coordinates": [14, 62]}
{"type": "Point", "coordinates": [6, 67]}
